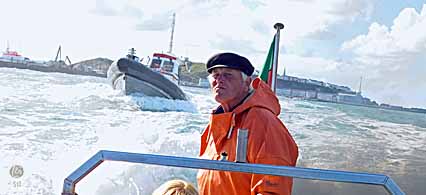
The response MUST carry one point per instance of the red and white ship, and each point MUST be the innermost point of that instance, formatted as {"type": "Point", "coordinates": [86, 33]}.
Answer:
{"type": "Point", "coordinates": [12, 56]}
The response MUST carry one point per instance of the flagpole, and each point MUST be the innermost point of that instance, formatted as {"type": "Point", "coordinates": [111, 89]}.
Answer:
{"type": "Point", "coordinates": [277, 26]}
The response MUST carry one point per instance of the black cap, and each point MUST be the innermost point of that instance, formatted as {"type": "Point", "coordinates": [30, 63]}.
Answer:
{"type": "Point", "coordinates": [230, 60]}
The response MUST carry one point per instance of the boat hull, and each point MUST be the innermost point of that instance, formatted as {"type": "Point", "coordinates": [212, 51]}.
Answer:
{"type": "Point", "coordinates": [130, 77]}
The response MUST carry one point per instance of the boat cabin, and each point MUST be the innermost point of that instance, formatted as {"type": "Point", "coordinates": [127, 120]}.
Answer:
{"type": "Point", "coordinates": [166, 64]}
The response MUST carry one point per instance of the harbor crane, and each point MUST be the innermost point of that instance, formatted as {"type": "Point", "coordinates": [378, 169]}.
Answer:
{"type": "Point", "coordinates": [59, 57]}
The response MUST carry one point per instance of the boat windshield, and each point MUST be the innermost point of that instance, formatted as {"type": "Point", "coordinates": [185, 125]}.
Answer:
{"type": "Point", "coordinates": [155, 63]}
{"type": "Point", "coordinates": [168, 66]}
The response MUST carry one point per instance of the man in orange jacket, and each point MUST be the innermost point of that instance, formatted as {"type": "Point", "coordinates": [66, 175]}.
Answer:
{"type": "Point", "coordinates": [244, 104]}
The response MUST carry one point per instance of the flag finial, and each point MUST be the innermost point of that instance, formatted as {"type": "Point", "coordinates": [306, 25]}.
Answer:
{"type": "Point", "coordinates": [279, 26]}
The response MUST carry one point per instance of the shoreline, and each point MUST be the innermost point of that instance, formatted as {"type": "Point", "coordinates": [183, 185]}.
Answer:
{"type": "Point", "coordinates": [50, 68]}
{"type": "Point", "coordinates": [367, 106]}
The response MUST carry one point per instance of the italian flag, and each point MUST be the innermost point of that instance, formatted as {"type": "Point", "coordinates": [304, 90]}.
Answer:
{"type": "Point", "coordinates": [266, 74]}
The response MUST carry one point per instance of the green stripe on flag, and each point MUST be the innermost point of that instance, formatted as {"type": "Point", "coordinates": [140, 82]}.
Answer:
{"type": "Point", "coordinates": [268, 63]}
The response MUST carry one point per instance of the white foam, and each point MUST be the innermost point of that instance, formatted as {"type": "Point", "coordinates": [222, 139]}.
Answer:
{"type": "Point", "coordinates": [162, 104]}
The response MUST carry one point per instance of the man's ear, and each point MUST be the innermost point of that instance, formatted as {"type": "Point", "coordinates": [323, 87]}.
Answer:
{"type": "Point", "coordinates": [248, 83]}
{"type": "Point", "coordinates": [249, 79]}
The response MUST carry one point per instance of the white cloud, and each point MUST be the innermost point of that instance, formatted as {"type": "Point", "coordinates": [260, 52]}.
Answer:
{"type": "Point", "coordinates": [308, 67]}
{"type": "Point", "coordinates": [407, 34]}
{"type": "Point", "coordinates": [393, 58]}
{"type": "Point", "coordinates": [105, 8]}
{"type": "Point", "coordinates": [352, 9]}
{"type": "Point", "coordinates": [307, 18]}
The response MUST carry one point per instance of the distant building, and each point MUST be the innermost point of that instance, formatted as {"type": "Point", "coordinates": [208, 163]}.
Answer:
{"type": "Point", "coordinates": [387, 106]}
{"type": "Point", "coordinates": [315, 82]}
{"type": "Point", "coordinates": [329, 97]}
{"type": "Point", "coordinates": [291, 86]}
{"type": "Point", "coordinates": [350, 99]}
{"type": "Point", "coordinates": [341, 88]}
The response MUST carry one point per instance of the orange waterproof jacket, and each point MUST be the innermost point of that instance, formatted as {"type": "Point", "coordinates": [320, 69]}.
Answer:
{"type": "Point", "coordinates": [269, 142]}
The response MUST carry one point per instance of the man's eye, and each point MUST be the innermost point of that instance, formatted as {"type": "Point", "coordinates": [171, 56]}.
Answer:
{"type": "Point", "coordinates": [227, 75]}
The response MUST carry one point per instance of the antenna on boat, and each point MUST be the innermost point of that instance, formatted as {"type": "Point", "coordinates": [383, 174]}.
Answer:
{"type": "Point", "coordinates": [132, 51]}
{"type": "Point", "coordinates": [171, 34]}
{"type": "Point", "coordinates": [7, 46]}
{"type": "Point", "coordinates": [132, 54]}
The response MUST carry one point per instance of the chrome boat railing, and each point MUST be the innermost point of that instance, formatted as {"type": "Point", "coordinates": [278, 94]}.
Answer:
{"type": "Point", "coordinates": [185, 162]}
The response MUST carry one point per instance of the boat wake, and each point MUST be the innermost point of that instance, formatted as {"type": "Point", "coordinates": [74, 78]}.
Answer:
{"type": "Point", "coordinates": [158, 104]}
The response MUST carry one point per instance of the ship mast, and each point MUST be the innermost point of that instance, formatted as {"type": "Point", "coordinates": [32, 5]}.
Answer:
{"type": "Point", "coordinates": [171, 34]}
{"type": "Point", "coordinates": [7, 47]}
{"type": "Point", "coordinates": [360, 86]}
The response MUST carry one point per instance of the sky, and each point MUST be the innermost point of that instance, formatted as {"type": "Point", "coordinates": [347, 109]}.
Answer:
{"type": "Point", "coordinates": [336, 41]}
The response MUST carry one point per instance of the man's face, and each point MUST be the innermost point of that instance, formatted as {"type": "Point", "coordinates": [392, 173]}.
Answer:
{"type": "Point", "coordinates": [228, 85]}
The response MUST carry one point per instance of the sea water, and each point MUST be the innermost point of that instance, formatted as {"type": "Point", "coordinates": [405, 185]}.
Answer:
{"type": "Point", "coordinates": [51, 123]}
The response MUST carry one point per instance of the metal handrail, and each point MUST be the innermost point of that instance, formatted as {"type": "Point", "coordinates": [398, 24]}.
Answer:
{"type": "Point", "coordinates": [296, 172]}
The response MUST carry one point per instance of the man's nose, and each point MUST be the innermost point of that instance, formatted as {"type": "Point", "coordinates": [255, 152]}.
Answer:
{"type": "Point", "coordinates": [220, 77]}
